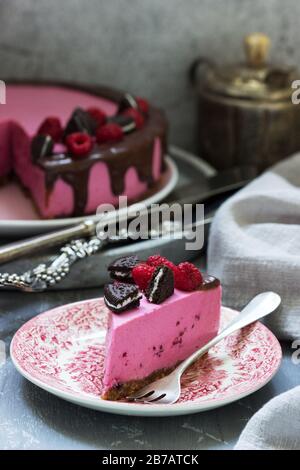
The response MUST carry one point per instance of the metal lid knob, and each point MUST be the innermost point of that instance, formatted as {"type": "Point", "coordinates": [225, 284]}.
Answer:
{"type": "Point", "coordinates": [257, 46]}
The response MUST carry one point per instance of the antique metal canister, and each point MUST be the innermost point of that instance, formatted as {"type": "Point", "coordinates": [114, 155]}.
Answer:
{"type": "Point", "coordinates": [246, 115]}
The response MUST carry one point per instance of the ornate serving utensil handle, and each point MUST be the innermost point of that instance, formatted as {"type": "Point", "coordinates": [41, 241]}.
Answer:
{"type": "Point", "coordinates": [43, 276]}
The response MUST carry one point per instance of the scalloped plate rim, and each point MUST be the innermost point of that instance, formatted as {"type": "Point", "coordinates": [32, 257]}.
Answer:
{"type": "Point", "coordinates": [130, 409]}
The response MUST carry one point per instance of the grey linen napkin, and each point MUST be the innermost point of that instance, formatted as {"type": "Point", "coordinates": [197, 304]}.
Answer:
{"type": "Point", "coordinates": [254, 246]}
{"type": "Point", "coordinates": [276, 426]}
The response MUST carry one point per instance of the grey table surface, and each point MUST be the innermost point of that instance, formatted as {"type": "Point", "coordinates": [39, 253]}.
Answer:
{"type": "Point", "coordinates": [31, 418]}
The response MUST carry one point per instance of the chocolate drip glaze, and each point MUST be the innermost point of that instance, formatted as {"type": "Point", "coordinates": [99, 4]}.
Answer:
{"type": "Point", "coordinates": [141, 162]}
{"type": "Point", "coordinates": [78, 181]}
{"type": "Point", "coordinates": [209, 282]}
{"type": "Point", "coordinates": [135, 150]}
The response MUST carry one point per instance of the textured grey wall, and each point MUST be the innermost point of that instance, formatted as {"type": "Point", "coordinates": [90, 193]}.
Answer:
{"type": "Point", "coordinates": [143, 46]}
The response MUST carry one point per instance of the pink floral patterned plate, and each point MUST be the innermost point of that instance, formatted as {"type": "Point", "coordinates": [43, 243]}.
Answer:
{"type": "Point", "coordinates": [62, 351]}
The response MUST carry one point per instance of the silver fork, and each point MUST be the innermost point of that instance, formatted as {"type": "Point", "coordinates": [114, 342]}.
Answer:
{"type": "Point", "coordinates": [167, 390]}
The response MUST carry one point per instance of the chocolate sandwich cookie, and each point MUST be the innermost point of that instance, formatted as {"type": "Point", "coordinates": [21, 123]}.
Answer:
{"type": "Point", "coordinates": [127, 101]}
{"type": "Point", "coordinates": [119, 296]}
{"type": "Point", "coordinates": [121, 268]}
{"type": "Point", "coordinates": [41, 146]}
{"type": "Point", "coordinates": [81, 121]}
{"type": "Point", "coordinates": [161, 285]}
{"type": "Point", "coordinates": [126, 122]}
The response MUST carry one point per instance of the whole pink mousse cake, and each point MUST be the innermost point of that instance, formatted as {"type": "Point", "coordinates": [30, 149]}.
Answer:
{"type": "Point", "coordinates": [61, 183]}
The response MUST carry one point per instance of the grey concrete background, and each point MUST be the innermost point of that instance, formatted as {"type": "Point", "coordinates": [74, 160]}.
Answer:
{"type": "Point", "coordinates": [143, 46]}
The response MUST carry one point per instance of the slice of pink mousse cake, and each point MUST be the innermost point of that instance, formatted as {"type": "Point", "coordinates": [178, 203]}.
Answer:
{"type": "Point", "coordinates": [145, 343]}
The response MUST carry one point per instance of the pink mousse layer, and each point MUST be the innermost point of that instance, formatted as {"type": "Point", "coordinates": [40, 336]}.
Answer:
{"type": "Point", "coordinates": [152, 337]}
{"type": "Point", "coordinates": [5, 148]}
{"type": "Point", "coordinates": [26, 108]}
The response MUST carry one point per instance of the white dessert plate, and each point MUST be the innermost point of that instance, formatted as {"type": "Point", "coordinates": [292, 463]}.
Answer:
{"type": "Point", "coordinates": [18, 216]}
{"type": "Point", "coordinates": [62, 351]}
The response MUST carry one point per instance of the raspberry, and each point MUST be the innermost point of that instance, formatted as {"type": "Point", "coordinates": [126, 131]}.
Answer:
{"type": "Point", "coordinates": [143, 105]}
{"type": "Point", "coordinates": [79, 143]}
{"type": "Point", "coordinates": [187, 277]}
{"type": "Point", "coordinates": [142, 274]}
{"type": "Point", "coordinates": [157, 260]}
{"type": "Point", "coordinates": [51, 126]}
{"type": "Point", "coordinates": [98, 115]}
{"type": "Point", "coordinates": [136, 116]}
{"type": "Point", "coordinates": [110, 132]}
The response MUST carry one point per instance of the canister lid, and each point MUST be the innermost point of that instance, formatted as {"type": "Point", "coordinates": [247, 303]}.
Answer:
{"type": "Point", "coordinates": [255, 79]}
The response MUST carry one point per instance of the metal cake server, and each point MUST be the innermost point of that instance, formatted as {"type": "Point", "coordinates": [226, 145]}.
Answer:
{"type": "Point", "coordinates": [42, 277]}
{"type": "Point", "coordinates": [167, 390]}
{"type": "Point", "coordinates": [218, 184]}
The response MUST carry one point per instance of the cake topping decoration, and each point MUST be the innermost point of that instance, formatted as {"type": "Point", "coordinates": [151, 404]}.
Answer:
{"type": "Point", "coordinates": [136, 116]}
{"type": "Point", "coordinates": [41, 146]}
{"type": "Point", "coordinates": [156, 277]}
{"type": "Point", "coordinates": [128, 101]}
{"type": "Point", "coordinates": [143, 105]}
{"type": "Point", "coordinates": [110, 132]}
{"type": "Point", "coordinates": [187, 277]}
{"type": "Point", "coordinates": [120, 296]}
{"type": "Point", "coordinates": [81, 121]}
{"type": "Point", "coordinates": [130, 116]}
{"type": "Point", "coordinates": [142, 274]}
{"type": "Point", "coordinates": [209, 282]}
{"type": "Point", "coordinates": [121, 268]}
{"type": "Point", "coordinates": [157, 260]}
{"type": "Point", "coordinates": [161, 285]}
{"type": "Point", "coordinates": [79, 144]}
{"type": "Point", "coordinates": [137, 103]}
{"type": "Point", "coordinates": [98, 115]}
{"type": "Point", "coordinates": [51, 126]}
{"type": "Point", "coordinates": [126, 122]}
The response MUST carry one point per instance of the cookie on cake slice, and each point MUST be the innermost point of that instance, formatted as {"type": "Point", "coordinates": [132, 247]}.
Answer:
{"type": "Point", "coordinates": [121, 268]}
{"type": "Point", "coordinates": [119, 296]}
